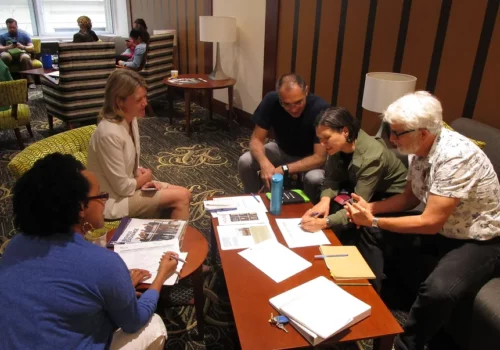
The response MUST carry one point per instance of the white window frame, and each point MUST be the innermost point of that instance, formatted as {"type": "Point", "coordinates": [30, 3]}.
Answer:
{"type": "Point", "coordinates": [39, 23]}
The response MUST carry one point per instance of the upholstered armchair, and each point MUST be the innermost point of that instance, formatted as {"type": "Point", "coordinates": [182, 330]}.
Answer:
{"type": "Point", "coordinates": [14, 95]}
{"type": "Point", "coordinates": [74, 142]}
{"type": "Point", "coordinates": [84, 69]}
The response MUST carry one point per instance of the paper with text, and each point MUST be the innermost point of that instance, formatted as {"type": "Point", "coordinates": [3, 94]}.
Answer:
{"type": "Point", "coordinates": [296, 237]}
{"type": "Point", "coordinates": [244, 236]}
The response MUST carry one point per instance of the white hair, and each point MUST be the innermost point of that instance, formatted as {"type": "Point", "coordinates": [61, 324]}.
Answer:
{"type": "Point", "coordinates": [417, 110]}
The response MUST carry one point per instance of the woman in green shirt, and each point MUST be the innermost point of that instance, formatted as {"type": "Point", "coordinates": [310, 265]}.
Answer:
{"type": "Point", "coordinates": [356, 163]}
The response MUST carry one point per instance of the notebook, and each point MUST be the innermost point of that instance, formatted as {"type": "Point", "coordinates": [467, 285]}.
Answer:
{"type": "Point", "coordinates": [319, 309]}
{"type": "Point", "coordinates": [349, 267]}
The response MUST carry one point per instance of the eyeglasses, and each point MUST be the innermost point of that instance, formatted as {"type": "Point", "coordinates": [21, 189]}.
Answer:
{"type": "Point", "coordinates": [398, 134]}
{"type": "Point", "coordinates": [103, 197]}
{"type": "Point", "coordinates": [292, 104]}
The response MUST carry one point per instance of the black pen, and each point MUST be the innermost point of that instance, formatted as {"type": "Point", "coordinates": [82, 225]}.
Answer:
{"type": "Point", "coordinates": [313, 215]}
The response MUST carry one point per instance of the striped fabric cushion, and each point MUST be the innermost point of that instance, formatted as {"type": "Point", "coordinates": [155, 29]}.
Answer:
{"type": "Point", "coordinates": [84, 69]}
{"type": "Point", "coordinates": [159, 62]}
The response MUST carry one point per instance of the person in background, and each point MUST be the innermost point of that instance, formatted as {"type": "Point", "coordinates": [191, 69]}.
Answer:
{"type": "Point", "coordinates": [290, 112]}
{"type": "Point", "coordinates": [86, 34]}
{"type": "Point", "coordinates": [454, 244]}
{"type": "Point", "coordinates": [140, 24]}
{"type": "Point", "coordinates": [60, 291]}
{"type": "Point", "coordinates": [114, 153]}
{"type": "Point", "coordinates": [128, 53]}
{"type": "Point", "coordinates": [356, 163]}
{"type": "Point", "coordinates": [4, 76]}
{"type": "Point", "coordinates": [15, 45]}
{"type": "Point", "coordinates": [140, 48]}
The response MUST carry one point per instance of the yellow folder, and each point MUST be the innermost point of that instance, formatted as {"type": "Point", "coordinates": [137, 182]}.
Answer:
{"type": "Point", "coordinates": [349, 267]}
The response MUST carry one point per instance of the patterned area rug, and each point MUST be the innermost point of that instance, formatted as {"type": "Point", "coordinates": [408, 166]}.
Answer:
{"type": "Point", "coordinates": [206, 164]}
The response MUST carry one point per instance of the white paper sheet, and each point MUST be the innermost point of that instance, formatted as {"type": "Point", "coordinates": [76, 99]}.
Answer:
{"type": "Point", "coordinates": [244, 236]}
{"type": "Point", "coordinates": [147, 256]}
{"type": "Point", "coordinates": [275, 260]}
{"type": "Point", "coordinates": [242, 203]}
{"type": "Point", "coordinates": [296, 237]}
{"type": "Point", "coordinates": [242, 218]}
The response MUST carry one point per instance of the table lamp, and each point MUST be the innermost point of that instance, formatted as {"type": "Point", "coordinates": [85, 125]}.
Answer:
{"type": "Point", "coordinates": [383, 88]}
{"type": "Point", "coordinates": [217, 29]}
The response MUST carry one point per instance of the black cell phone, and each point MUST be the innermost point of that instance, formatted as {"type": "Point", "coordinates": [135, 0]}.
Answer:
{"type": "Point", "coordinates": [14, 42]}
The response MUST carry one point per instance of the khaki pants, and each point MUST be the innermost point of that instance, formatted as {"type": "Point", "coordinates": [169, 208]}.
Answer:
{"type": "Point", "coordinates": [24, 61]}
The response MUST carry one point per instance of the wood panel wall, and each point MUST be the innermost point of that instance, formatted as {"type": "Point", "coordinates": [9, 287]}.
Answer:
{"type": "Point", "coordinates": [193, 56]}
{"type": "Point", "coordinates": [451, 46]}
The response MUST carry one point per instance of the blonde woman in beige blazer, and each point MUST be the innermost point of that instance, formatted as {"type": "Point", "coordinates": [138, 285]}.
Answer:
{"type": "Point", "coordinates": [114, 152]}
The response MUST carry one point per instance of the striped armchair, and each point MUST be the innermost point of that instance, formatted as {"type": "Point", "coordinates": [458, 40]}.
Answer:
{"type": "Point", "coordinates": [79, 94]}
{"type": "Point", "coordinates": [13, 96]}
{"type": "Point", "coordinates": [159, 63]}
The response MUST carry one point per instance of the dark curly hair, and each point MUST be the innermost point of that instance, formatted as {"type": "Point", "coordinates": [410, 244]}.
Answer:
{"type": "Point", "coordinates": [48, 197]}
{"type": "Point", "coordinates": [338, 117]}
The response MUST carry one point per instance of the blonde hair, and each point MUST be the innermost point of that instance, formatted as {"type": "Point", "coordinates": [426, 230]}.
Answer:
{"type": "Point", "coordinates": [84, 21]}
{"type": "Point", "coordinates": [120, 85]}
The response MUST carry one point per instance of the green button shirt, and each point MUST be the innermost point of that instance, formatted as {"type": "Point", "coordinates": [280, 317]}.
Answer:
{"type": "Point", "coordinates": [373, 169]}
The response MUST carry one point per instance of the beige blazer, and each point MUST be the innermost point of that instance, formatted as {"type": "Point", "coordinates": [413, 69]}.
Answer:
{"type": "Point", "coordinates": [114, 159]}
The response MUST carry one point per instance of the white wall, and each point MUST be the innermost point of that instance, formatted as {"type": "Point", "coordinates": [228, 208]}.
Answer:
{"type": "Point", "coordinates": [243, 59]}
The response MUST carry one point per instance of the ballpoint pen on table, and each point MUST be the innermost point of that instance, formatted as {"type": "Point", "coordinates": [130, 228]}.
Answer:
{"type": "Point", "coordinates": [255, 197]}
{"type": "Point", "coordinates": [312, 215]}
{"type": "Point", "coordinates": [330, 256]}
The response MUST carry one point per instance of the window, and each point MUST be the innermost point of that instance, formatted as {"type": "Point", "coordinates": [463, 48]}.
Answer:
{"type": "Point", "coordinates": [57, 18]}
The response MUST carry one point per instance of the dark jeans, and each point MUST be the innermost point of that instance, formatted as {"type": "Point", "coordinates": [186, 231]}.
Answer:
{"type": "Point", "coordinates": [457, 270]}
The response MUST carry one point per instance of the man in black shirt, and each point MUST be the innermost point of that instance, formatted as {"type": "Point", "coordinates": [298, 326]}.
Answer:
{"type": "Point", "coordinates": [291, 112]}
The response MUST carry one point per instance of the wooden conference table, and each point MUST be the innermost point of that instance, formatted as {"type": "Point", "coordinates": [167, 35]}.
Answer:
{"type": "Point", "coordinates": [250, 290]}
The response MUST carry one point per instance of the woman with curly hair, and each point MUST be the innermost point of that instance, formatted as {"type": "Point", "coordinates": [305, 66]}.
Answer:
{"type": "Point", "coordinates": [86, 34]}
{"type": "Point", "coordinates": [60, 291]}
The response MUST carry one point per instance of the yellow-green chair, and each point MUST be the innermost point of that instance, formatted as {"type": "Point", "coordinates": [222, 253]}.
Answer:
{"type": "Point", "coordinates": [14, 94]}
{"type": "Point", "coordinates": [74, 142]}
{"type": "Point", "coordinates": [37, 48]}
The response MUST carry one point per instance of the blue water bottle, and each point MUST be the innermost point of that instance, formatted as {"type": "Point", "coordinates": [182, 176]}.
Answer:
{"type": "Point", "coordinates": [276, 194]}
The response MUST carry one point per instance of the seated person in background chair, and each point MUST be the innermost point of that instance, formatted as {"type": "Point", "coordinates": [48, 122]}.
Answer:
{"type": "Point", "coordinates": [60, 291]}
{"type": "Point", "coordinates": [4, 76]}
{"type": "Point", "coordinates": [356, 162]}
{"type": "Point", "coordinates": [86, 34]}
{"type": "Point", "coordinates": [460, 224]}
{"type": "Point", "coordinates": [140, 24]}
{"type": "Point", "coordinates": [135, 63]}
{"type": "Point", "coordinates": [128, 53]}
{"type": "Point", "coordinates": [114, 153]}
{"type": "Point", "coordinates": [15, 45]}
{"type": "Point", "coordinates": [291, 112]}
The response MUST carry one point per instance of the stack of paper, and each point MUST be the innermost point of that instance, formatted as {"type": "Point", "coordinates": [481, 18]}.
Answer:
{"type": "Point", "coordinates": [348, 264]}
{"type": "Point", "coordinates": [219, 206]}
{"type": "Point", "coordinates": [296, 237]}
{"type": "Point", "coordinates": [148, 230]}
{"type": "Point", "coordinates": [147, 256]}
{"type": "Point", "coordinates": [241, 204]}
{"type": "Point", "coordinates": [275, 260]}
{"type": "Point", "coordinates": [244, 236]}
{"type": "Point", "coordinates": [319, 309]}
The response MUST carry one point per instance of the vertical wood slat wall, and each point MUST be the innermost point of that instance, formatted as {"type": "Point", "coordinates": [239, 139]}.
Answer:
{"type": "Point", "coordinates": [452, 47]}
{"type": "Point", "coordinates": [193, 56]}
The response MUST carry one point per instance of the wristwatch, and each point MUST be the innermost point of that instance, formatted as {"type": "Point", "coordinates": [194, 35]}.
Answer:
{"type": "Point", "coordinates": [375, 222]}
{"type": "Point", "coordinates": [285, 169]}
{"type": "Point", "coordinates": [328, 222]}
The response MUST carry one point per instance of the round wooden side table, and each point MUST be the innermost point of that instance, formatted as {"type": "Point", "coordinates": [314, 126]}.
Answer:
{"type": "Point", "coordinates": [197, 247]}
{"type": "Point", "coordinates": [204, 83]}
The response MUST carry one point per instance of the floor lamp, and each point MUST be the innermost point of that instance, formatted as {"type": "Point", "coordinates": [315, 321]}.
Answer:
{"type": "Point", "coordinates": [217, 29]}
{"type": "Point", "coordinates": [383, 88]}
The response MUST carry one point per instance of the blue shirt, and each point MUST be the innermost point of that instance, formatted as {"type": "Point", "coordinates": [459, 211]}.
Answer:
{"type": "Point", "coordinates": [136, 60]}
{"type": "Point", "coordinates": [22, 37]}
{"type": "Point", "coordinates": [62, 292]}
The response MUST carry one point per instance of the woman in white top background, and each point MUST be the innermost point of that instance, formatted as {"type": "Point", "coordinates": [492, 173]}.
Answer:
{"type": "Point", "coordinates": [114, 152]}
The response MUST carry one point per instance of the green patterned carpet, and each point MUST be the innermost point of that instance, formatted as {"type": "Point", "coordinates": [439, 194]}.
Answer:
{"type": "Point", "coordinates": [206, 164]}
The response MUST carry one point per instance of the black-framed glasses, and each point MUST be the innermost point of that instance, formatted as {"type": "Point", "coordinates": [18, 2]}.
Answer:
{"type": "Point", "coordinates": [103, 196]}
{"type": "Point", "coordinates": [292, 104]}
{"type": "Point", "coordinates": [398, 134]}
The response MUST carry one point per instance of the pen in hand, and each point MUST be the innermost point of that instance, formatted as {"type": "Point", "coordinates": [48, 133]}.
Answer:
{"type": "Point", "coordinates": [177, 258]}
{"type": "Point", "coordinates": [312, 215]}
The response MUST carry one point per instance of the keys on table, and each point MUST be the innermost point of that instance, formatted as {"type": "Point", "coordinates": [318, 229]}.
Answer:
{"type": "Point", "coordinates": [279, 321]}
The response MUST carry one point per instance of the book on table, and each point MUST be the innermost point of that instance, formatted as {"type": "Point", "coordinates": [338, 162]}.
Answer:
{"type": "Point", "coordinates": [319, 309]}
{"type": "Point", "coordinates": [148, 230]}
{"type": "Point", "coordinates": [349, 264]}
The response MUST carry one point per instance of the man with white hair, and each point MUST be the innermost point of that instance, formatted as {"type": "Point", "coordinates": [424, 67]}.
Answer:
{"type": "Point", "coordinates": [460, 224]}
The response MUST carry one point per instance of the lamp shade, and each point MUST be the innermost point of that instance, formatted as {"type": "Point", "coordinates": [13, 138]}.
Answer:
{"type": "Point", "coordinates": [217, 29]}
{"type": "Point", "coordinates": [382, 89]}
